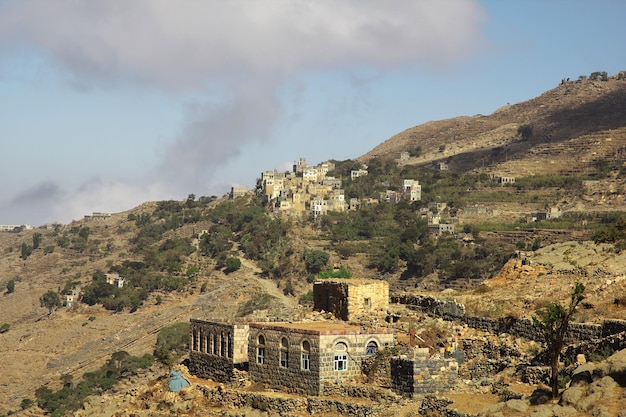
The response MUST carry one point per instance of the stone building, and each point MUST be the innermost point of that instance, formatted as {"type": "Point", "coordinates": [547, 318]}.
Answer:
{"type": "Point", "coordinates": [350, 298]}
{"type": "Point", "coordinates": [216, 349]}
{"type": "Point", "coordinates": [305, 358]}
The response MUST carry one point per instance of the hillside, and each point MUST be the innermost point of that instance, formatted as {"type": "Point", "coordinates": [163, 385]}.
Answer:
{"type": "Point", "coordinates": [573, 125]}
{"type": "Point", "coordinates": [577, 131]}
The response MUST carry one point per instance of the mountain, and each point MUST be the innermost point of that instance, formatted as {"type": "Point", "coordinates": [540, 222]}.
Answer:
{"type": "Point", "coordinates": [569, 128]}
{"type": "Point", "coordinates": [573, 133]}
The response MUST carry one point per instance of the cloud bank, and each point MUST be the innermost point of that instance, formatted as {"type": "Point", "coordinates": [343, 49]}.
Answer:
{"type": "Point", "coordinates": [227, 60]}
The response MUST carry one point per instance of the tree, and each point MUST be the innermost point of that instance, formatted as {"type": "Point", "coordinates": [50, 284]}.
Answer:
{"type": "Point", "coordinates": [232, 264]}
{"type": "Point", "coordinates": [50, 300]}
{"type": "Point", "coordinates": [36, 240]}
{"type": "Point", "coordinates": [554, 319]}
{"type": "Point", "coordinates": [315, 260]}
{"type": "Point", "coordinates": [26, 251]}
{"type": "Point", "coordinates": [11, 286]}
{"type": "Point", "coordinates": [525, 131]}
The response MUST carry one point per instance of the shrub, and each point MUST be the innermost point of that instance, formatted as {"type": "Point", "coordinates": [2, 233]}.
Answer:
{"type": "Point", "coordinates": [315, 260]}
{"type": "Point", "coordinates": [172, 342]}
{"type": "Point", "coordinates": [232, 265]}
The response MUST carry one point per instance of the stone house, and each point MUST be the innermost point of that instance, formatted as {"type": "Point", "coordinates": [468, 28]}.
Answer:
{"type": "Point", "coordinates": [305, 358]}
{"type": "Point", "coordinates": [412, 190]}
{"type": "Point", "coordinates": [351, 298]}
{"type": "Point", "coordinates": [506, 180]}
{"type": "Point", "coordinates": [403, 156]}
{"type": "Point", "coordinates": [115, 279]}
{"type": "Point", "coordinates": [441, 228]}
{"type": "Point", "coordinates": [238, 191]}
{"type": "Point", "coordinates": [356, 173]}
{"type": "Point", "coordinates": [217, 349]}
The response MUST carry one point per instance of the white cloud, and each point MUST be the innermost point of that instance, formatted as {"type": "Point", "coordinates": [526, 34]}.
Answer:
{"type": "Point", "coordinates": [231, 56]}
{"type": "Point", "coordinates": [187, 43]}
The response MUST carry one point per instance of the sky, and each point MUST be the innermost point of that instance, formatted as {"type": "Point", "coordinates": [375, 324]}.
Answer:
{"type": "Point", "coordinates": [106, 104]}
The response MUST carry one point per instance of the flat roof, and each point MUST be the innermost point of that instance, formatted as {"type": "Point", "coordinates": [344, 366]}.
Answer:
{"type": "Point", "coordinates": [320, 328]}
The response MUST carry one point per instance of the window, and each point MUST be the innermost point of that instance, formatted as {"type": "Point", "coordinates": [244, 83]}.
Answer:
{"type": "Point", "coordinates": [260, 350]}
{"type": "Point", "coordinates": [371, 348]}
{"type": "Point", "coordinates": [341, 357]}
{"type": "Point", "coordinates": [341, 362]}
{"type": "Point", "coordinates": [305, 360]}
{"type": "Point", "coordinates": [284, 353]}
{"type": "Point", "coordinates": [367, 303]}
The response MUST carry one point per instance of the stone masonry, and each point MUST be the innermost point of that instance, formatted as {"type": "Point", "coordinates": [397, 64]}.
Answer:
{"type": "Point", "coordinates": [305, 358]}
{"type": "Point", "coordinates": [422, 374]}
{"type": "Point", "coordinates": [216, 349]}
{"type": "Point", "coordinates": [352, 298]}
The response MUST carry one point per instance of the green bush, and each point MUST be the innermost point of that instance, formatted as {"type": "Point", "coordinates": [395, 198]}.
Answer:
{"type": "Point", "coordinates": [172, 342]}
{"type": "Point", "coordinates": [315, 260]}
{"type": "Point", "coordinates": [232, 265]}
{"type": "Point", "coordinates": [339, 273]}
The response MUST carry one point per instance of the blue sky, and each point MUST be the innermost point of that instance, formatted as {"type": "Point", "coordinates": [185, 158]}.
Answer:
{"type": "Point", "coordinates": [106, 104]}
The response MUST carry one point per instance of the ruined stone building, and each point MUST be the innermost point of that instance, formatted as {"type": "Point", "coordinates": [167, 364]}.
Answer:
{"type": "Point", "coordinates": [352, 298]}
{"type": "Point", "coordinates": [304, 358]}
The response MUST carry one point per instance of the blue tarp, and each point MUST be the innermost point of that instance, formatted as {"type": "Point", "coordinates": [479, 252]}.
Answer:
{"type": "Point", "coordinates": [177, 381]}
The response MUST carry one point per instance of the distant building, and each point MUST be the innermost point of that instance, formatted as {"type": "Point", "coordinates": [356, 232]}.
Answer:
{"type": "Point", "coordinates": [356, 173]}
{"type": "Point", "coordinates": [115, 279]}
{"type": "Point", "coordinates": [238, 191]}
{"type": "Point", "coordinates": [506, 180]}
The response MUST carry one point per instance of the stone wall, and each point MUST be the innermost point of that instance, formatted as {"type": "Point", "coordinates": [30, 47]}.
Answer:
{"type": "Point", "coordinates": [446, 309]}
{"type": "Point", "coordinates": [290, 405]}
{"type": "Point", "coordinates": [520, 327]}
{"type": "Point", "coordinates": [290, 378]}
{"type": "Point", "coordinates": [212, 367]}
{"type": "Point", "coordinates": [423, 375]}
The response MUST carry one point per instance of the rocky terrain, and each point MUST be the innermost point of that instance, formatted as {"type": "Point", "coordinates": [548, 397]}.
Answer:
{"type": "Point", "coordinates": [584, 122]}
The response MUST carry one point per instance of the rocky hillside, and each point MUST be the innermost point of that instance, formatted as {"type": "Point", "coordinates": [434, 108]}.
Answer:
{"type": "Point", "coordinates": [567, 128]}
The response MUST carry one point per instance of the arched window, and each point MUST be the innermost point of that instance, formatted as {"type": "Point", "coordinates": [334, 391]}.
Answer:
{"type": "Point", "coordinates": [305, 360]}
{"type": "Point", "coordinates": [284, 353]}
{"type": "Point", "coordinates": [222, 344]}
{"type": "Point", "coordinates": [341, 357]}
{"type": "Point", "coordinates": [371, 348]}
{"type": "Point", "coordinates": [216, 344]}
{"type": "Point", "coordinates": [229, 346]}
{"type": "Point", "coordinates": [260, 349]}
{"type": "Point", "coordinates": [202, 340]}
{"type": "Point", "coordinates": [194, 342]}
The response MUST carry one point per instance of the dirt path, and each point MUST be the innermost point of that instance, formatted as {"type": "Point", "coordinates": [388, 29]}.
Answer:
{"type": "Point", "coordinates": [268, 286]}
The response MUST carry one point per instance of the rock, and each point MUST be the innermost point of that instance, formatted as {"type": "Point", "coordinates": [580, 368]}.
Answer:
{"type": "Point", "coordinates": [560, 411]}
{"type": "Point", "coordinates": [580, 358]}
{"type": "Point", "coordinates": [583, 375]}
{"type": "Point", "coordinates": [586, 403]}
{"type": "Point", "coordinates": [572, 395]}
{"type": "Point", "coordinates": [600, 411]}
{"type": "Point", "coordinates": [517, 405]}
{"type": "Point", "coordinates": [604, 385]}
